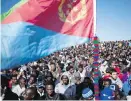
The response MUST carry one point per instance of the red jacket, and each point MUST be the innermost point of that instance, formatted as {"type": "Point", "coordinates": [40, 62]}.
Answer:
{"type": "Point", "coordinates": [120, 75]}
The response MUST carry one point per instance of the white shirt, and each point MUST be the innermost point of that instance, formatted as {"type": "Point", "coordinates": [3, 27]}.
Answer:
{"type": "Point", "coordinates": [61, 88]}
{"type": "Point", "coordinates": [41, 94]}
{"type": "Point", "coordinates": [83, 74]}
{"type": "Point", "coordinates": [103, 67]}
{"type": "Point", "coordinates": [18, 90]}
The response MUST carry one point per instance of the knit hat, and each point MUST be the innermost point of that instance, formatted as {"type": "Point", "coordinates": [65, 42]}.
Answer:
{"type": "Point", "coordinates": [86, 93]}
{"type": "Point", "coordinates": [106, 94]}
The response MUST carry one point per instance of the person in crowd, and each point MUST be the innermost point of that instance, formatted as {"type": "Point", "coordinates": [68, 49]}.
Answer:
{"type": "Point", "coordinates": [46, 68]}
{"type": "Point", "coordinates": [37, 95]}
{"type": "Point", "coordinates": [107, 94]}
{"type": "Point", "coordinates": [127, 86]}
{"type": "Point", "coordinates": [22, 73]}
{"type": "Point", "coordinates": [115, 79]}
{"type": "Point", "coordinates": [70, 72]}
{"type": "Point", "coordinates": [60, 67]}
{"type": "Point", "coordinates": [92, 75]}
{"type": "Point", "coordinates": [87, 83]}
{"type": "Point", "coordinates": [18, 89]}
{"type": "Point", "coordinates": [126, 74]}
{"type": "Point", "coordinates": [117, 68]}
{"type": "Point", "coordinates": [77, 78]}
{"type": "Point", "coordinates": [66, 88]}
{"type": "Point", "coordinates": [118, 95]}
{"type": "Point", "coordinates": [106, 83]}
{"type": "Point", "coordinates": [13, 81]}
{"type": "Point", "coordinates": [50, 93]}
{"type": "Point", "coordinates": [32, 81]}
{"type": "Point", "coordinates": [87, 94]}
{"type": "Point", "coordinates": [107, 75]}
{"type": "Point", "coordinates": [82, 71]}
{"type": "Point", "coordinates": [30, 94]}
{"type": "Point", "coordinates": [6, 92]}
{"type": "Point", "coordinates": [40, 89]}
{"type": "Point", "coordinates": [69, 69]}
{"type": "Point", "coordinates": [78, 85]}
{"type": "Point", "coordinates": [103, 67]}
{"type": "Point", "coordinates": [15, 71]}
{"type": "Point", "coordinates": [53, 70]}
{"type": "Point", "coordinates": [49, 78]}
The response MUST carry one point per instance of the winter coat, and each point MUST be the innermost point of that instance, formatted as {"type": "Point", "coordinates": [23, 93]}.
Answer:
{"type": "Point", "coordinates": [127, 86]}
{"type": "Point", "coordinates": [54, 97]}
{"type": "Point", "coordinates": [9, 95]}
{"type": "Point", "coordinates": [69, 91]}
{"type": "Point", "coordinates": [125, 77]}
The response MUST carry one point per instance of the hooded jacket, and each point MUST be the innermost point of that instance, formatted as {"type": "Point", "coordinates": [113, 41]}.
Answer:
{"type": "Point", "coordinates": [69, 91]}
{"type": "Point", "coordinates": [127, 86]}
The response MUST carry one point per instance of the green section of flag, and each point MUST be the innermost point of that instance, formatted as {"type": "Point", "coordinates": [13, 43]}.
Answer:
{"type": "Point", "coordinates": [4, 15]}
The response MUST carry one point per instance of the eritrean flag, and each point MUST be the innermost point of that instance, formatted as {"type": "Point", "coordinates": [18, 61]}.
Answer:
{"type": "Point", "coordinates": [32, 29]}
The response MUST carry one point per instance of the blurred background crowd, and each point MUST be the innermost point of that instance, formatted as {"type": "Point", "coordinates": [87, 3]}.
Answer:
{"type": "Point", "coordinates": [68, 75]}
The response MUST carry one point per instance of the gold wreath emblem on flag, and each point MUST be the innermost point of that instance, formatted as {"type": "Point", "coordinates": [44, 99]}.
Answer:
{"type": "Point", "coordinates": [80, 15]}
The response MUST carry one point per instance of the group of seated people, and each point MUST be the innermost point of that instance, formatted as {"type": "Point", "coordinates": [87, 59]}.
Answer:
{"type": "Point", "coordinates": [69, 75]}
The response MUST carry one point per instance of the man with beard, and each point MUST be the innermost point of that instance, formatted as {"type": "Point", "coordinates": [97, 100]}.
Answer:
{"type": "Point", "coordinates": [6, 92]}
{"type": "Point", "coordinates": [50, 94]}
{"type": "Point", "coordinates": [31, 94]}
{"type": "Point", "coordinates": [66, 88]}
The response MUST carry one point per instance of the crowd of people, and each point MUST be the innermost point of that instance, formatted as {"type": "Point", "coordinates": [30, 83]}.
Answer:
{"type": "Point", "coordinates": [68, 75]}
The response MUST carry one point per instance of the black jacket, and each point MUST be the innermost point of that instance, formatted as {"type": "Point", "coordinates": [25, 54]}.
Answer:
{"type": "Point", "coordinates": [55, 97]}
{"type": "Point", "coordinates": [9, 95]}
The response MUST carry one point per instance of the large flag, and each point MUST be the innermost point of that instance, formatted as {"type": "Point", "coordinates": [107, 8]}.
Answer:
{"type": "Point", "coordinates": [32, 29]}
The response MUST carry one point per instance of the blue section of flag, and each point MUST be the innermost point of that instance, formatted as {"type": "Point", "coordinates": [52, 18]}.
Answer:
{"type": "Point", "coordinates": [24, 42]}
{"type": "Point", "coordinates": [7, 4]}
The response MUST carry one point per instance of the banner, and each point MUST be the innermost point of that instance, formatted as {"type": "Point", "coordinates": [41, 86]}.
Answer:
{"type": "Point", "coordinates": [32, 29]}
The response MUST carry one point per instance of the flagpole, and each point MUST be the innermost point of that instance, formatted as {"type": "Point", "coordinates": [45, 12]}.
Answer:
{"type": "Point", "coordinates": [95, 66]}
{"type": "Point", "coordinates": [96, 55]}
